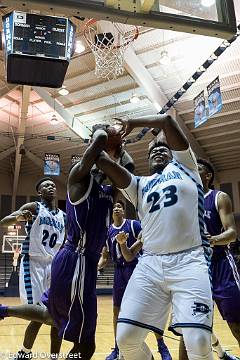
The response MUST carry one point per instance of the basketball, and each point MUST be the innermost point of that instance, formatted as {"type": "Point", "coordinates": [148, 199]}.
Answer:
{"type": "Point", "coordinates": [114, 137]}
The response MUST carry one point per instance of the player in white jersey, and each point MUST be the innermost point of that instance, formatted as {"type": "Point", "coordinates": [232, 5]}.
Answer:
{"type": "Point", "coordinates": [45, 228]}
{"type": "Point", "coordinates": [173, 270]}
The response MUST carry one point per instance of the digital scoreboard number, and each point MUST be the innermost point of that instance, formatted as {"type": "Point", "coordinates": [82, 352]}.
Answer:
{"type": "Point", "coordinates": [37, 35]}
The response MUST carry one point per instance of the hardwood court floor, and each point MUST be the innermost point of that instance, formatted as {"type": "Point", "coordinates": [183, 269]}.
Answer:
{"type": "Point", "coordinates": [12, 330]}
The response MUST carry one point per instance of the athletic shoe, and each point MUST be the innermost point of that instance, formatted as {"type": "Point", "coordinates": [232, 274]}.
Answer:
{"type": "Point", "coordinates": [23, 355]}
{"type": "Point", "coordinates": [114, 354]}
{"type": "Point", "coordinates": [3, 311]}
{"type": "Point", "coordinates": [227, 356]}
{"type": "Point", "coordinates": [163, 350]}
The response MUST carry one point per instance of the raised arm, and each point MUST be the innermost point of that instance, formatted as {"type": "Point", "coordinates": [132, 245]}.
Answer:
{"type": "Point", "coordinates": [79, 177]}
{"type": "Point", "coordinates": [174, 135]}
{"type": "Point", "coordinates": [25, 213]}
{"type": "Point", "coordinates": [119, 176]}
{"type": "Point", "coordinates": [226, 215]}
{"type": "Point", "coordinates": [128, 253]}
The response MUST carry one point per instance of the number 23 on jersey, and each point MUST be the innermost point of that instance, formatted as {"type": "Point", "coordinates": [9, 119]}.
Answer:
{"type": "Point", "coordinates": [170, 198]}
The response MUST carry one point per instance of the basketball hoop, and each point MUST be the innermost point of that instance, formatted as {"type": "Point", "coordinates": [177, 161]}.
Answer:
{"type": "Point", "coordinates": [109, 46]}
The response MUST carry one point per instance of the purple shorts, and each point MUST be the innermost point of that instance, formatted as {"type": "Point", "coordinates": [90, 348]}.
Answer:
{"type": "Point", "coordinates": [226, 286]}
{"type": "Point", "coordinates": [122, 275]}
{"type": "Point", "coordinates": [71, 299]}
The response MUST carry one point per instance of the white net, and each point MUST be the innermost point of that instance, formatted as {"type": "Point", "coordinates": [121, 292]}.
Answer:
{"type": "Point", "coordinates": [109, 46]}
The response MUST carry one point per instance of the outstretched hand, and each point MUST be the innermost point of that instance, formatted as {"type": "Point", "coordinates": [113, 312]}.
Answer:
{"type": "Point", "coordinates": [25, 215]}
{"type": "Point", "coordinates": [127, 127]}
{"type": "Point", "coordinates": [122, 237]}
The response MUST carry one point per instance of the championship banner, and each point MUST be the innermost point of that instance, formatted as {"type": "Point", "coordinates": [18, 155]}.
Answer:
{"type": "Point", "coordinates": [52, 164]}
{"type": "Point", "coordinates": [200, 114]}
{"type": "Point", "coordinates": [214, 97]}
{"type": "Point", "coordinates": [76, 158]}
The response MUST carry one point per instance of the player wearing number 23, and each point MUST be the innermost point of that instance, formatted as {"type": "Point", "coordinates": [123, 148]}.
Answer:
{"type": "Point", "coordinates": [173, 270]}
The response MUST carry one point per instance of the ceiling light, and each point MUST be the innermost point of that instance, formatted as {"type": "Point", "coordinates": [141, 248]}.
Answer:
{"type": "Point", "coordinates": [164, 58]}
{"type": "Point", "coordinates": [134, 99]}
{"type": "Point", "coordinates": [54, 120]}
{"type": "Point", "coordinates": [208, 2]}
{"type": "Point", "coordinates": [63, 91]}
{"type": "Point", "coordinates": [79, 47]}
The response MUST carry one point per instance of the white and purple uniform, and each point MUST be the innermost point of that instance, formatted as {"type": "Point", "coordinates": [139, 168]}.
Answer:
{"type": "Point", "coordinates": [71, 299]}
{"type": "Point", "coordinates": [123, 269]}
{"type": "Point", "coordinates": [225, 277]}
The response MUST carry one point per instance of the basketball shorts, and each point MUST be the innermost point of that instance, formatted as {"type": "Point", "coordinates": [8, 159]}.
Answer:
{"type": "Point", "coordinates": [122, 275]}
{"type": "Point", "coordinates": [34, 278]}
{"type": "Point", "coordinates": [71, 299]}
{"type": "Point", "coordinates": [159, 282]}
{"type": "Point", "coordinates": [226, 286]}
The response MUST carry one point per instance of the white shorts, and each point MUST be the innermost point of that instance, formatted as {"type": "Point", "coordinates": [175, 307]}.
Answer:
{"type": "Point", "coordinates": [34, 279]}
{"type": "Point", "coordinates": [180, 280]}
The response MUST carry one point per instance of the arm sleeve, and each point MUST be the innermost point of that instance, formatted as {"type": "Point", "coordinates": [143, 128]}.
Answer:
{"type": "Point", "coordinates": [131, 192]}
{"type": "Point", "coordinates": [186, 158]}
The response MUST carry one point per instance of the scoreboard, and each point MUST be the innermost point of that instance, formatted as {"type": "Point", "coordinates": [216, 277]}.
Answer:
{"type": "Point", "coordinates": [33, 36]}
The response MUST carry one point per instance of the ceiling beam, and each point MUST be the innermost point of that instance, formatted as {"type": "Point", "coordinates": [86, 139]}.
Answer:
{"type": "Point", "coordinates": [79, 129]}
{"type": "Point", "coordinates": [7, 152]}
{"type": "Point", "coordinates": [136, 69]}
{"type": "Point", "coordinates": [21, 130]}
{"type": "Point", "coordinates": [143, 78]}
{"type": "Point", "coordinates": [215, 126]}
{"type": "Point", "coordinates": [225, 102]}
{"type": "Point", "coordinates": [7, 89]}
{"type": "Point", "coordinates": [223, 150]}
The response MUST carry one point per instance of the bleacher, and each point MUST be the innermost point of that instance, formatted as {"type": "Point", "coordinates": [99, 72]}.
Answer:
{"type": "Point", "coordinates": [105, 280]}
{"type": "Point", "coordinates": [5, 271]}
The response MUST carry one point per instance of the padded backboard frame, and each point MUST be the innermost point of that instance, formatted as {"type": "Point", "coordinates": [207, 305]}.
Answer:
{"type": "Point", "coordinates": [98, 10]}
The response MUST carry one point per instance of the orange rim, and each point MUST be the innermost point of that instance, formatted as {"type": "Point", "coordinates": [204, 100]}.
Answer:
{"type": "Point", "coordinates": [93, 21]}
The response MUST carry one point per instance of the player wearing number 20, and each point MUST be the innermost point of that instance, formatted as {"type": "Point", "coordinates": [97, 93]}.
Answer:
{"type": "Point", "coordinates": [173, 269]}
{"type": "Point", "coordinates": [45, 228]}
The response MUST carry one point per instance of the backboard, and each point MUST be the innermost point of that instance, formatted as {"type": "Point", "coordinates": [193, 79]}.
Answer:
{"type": "Point", "coordinates": [206, 17]}
{"type": "Point", "coordinates": [12, 244]}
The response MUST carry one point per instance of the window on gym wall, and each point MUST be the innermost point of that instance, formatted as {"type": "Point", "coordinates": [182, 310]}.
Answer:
{"type": "Point", "coordinates": [20, 201]}
{"type": "Point", "coordinates": [6, 205]}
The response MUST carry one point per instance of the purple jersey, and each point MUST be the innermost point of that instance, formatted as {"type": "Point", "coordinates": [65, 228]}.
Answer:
{"type": "Point", "coordinates": [133, 228]}
{"type": "Point", "coordinates": [225, 278]}
{"type": "Point", "coordinates": [211, 217]}
{"type": "Point", "coordinates": [89, 219]}
{"type": "Point", "coordinates": [71, 299]}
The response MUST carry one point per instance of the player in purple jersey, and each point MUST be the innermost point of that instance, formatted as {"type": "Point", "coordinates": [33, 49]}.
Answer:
{"type": "Point", "coordinates": [220, 226]}
{"type": "Point", "coordinates": [123, 269]}
{"type": "Point", "coordinates": [70, 303]}
{"type": "Point", "coordinates": [221, 231]}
